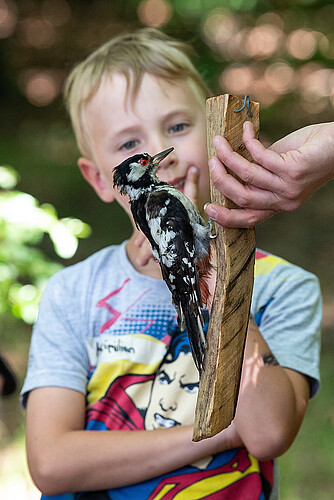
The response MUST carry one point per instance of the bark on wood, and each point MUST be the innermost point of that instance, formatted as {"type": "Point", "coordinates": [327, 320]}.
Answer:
{"type": "Point", "coordinates": [220, 379]}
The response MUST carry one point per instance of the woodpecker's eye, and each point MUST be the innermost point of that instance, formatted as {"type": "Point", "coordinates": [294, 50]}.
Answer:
{"type": "Point", "coordinates": [143, 162]}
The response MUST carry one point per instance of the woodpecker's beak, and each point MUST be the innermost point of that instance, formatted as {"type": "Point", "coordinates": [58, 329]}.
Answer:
{"type": "Point", "coordinates": [160, 156]}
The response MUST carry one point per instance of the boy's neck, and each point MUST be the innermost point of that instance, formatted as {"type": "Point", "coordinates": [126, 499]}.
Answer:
{"type": "Point", "coordinates": [151, 269]}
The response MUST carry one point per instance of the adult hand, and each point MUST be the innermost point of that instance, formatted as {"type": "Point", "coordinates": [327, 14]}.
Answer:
{"type": "Point", "coordinates": [281, 178]}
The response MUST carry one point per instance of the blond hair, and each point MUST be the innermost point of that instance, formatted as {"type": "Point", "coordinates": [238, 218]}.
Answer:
{"type": "Point", "coordinates": [132, 54]}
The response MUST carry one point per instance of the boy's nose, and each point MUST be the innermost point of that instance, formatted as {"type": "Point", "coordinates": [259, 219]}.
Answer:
{"type": "Point", "coordinates": [169, 161]}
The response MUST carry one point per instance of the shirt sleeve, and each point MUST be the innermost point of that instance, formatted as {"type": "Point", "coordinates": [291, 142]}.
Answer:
{"type": "Point", "coordinates": [58, 356]}
{"type": "Point", "coordinates": [288, 312]}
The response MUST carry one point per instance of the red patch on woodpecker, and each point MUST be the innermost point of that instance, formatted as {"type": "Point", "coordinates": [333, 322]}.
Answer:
{"type": "Point", "coordinates": [204, 268]}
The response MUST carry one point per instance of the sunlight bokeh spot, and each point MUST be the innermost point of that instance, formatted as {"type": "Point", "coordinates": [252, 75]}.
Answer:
{"type": "Point", "coordinates": [263, 41]}
{"type": "Point", "coordinates": [280, 76]}
{"type": "Point", "coordinates": [301, 44]}
{"type": "Point", "coordinates": [154, 12]}
{"type": "Point", "coordinates": [219, 26]}
{"type": "Point", "coordinates": [8, 18]}
{"type": "Point", "coordinates": [38, 33]}
{"type": "Point", "coordinates": [41, 88]}
{"type": "Point", "coordinates": [272, 18]}
{"type": "Point", "coordinates": [236, 79]}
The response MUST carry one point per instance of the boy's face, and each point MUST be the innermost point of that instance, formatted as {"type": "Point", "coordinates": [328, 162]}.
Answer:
{"type": "Point", "coordinates": [162, 115]}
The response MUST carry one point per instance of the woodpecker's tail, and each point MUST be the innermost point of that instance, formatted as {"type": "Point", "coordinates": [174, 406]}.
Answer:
{"type": "Point", "coordinates": [194, 323]}
{"type": "Point", "coordinates": [189, 309]}
{"type": "Point", "coordinates": [189, 306]}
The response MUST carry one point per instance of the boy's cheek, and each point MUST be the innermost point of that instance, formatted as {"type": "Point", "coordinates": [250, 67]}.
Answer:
{"type": "Point", "coordinates": [123, 200]}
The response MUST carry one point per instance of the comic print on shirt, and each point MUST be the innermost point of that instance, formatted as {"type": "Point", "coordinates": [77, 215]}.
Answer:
{"type": "Point", "coordinates": [138, 382]}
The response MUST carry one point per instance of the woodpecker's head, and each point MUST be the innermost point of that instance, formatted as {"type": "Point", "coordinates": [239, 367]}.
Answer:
{"type": "Point", "coordinates": [138, 171]}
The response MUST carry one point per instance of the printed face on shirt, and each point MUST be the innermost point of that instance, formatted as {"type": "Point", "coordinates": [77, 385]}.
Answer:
{"type": "Point", "coordinates": [162, 115]}
{"type": "Point", "coordinates": [174, 394]}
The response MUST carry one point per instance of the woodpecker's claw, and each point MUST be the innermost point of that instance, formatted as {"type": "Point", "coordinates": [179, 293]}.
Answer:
{"type": "Point", "coordinates": [213, 232]}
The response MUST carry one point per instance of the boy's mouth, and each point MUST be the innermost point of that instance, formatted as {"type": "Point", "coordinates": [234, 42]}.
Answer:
{"type": "Point", "coordinates": [178, 183]}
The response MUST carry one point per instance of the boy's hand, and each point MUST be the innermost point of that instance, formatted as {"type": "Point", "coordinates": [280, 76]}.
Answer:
{"type": "Point", "coordinates": [282, 177]}
{"type": "Point", "coordinates": [144, 254]}
{"type": "Point", "coordinates": [191, 185]}
{"type": "Point", "coordinates": [141, 242]}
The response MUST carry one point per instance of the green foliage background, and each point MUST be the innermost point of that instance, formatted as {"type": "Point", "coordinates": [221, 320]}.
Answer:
{"type": "Point", "coordinates": [283, 53]}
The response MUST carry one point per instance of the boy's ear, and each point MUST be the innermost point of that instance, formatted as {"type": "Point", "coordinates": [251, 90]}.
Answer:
{"type": "Point", "coordinates": [91, 173]}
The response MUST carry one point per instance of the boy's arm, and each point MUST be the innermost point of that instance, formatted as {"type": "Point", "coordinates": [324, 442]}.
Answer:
{"type": "Point", "coordinates": [272, 400]}
{"type": "Point", "coordinates": [282, 177]}
{"type": "Point", "coordinates": [63, 457]}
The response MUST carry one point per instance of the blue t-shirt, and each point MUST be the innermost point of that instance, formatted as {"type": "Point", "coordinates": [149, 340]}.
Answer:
{"type": "Point", "coordinates": [109, 332]}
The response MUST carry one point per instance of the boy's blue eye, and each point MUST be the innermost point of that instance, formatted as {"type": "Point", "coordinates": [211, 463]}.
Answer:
{"type": "Point", "coordinates": [178, 127]}
{"type": "Point", "coordinates": [129, 145]}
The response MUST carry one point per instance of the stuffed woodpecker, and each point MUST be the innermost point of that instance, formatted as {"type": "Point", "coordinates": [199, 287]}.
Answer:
{"type": "Point", "coordinates": [179, 237]}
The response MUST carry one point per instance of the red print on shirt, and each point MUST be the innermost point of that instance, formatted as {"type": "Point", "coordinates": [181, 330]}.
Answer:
{"type": "Point", "coordinates": [117, 315]}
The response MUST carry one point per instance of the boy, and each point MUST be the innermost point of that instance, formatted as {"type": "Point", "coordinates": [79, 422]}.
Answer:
{"type": "Point", "coordinates": [104, 324]}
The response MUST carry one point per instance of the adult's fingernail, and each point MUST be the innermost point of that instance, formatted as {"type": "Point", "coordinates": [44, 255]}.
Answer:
{"type": "Point", "coordinates": [212, 164]}
{"type": "Point", "coordinates": [211, 211]}
{"type": "Point", "coordinates": [216, 142]}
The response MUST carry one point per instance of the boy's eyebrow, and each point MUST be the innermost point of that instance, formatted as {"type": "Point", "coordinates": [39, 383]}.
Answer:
{"type": "Point", "coordinates": [126, 130]}
{"type": "Point", "coordinates": [176, 112]}
{"type": "Point", "coordinates": [168, 116]}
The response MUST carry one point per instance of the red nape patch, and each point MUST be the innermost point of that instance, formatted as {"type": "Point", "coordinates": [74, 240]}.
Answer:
{"type": "Point", "coordinates": [204, 268]}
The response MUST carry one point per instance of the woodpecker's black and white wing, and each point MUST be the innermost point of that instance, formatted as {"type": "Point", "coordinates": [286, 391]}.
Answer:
{"type": "Point", "coordinates": [172, 237]}
{"type": "Point", "coordinates": [178, 235]}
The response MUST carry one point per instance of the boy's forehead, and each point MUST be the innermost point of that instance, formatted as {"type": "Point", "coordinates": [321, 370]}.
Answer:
{"type": "Point", "coordinates": [150, 92]}
{"type": "Point", "coordinates": [113, 111]}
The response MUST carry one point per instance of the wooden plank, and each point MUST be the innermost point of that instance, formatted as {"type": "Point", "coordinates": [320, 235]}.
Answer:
{"type": "Point", "coordinates": [235, 249]}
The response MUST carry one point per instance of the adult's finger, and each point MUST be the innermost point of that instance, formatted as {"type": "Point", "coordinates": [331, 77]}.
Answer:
{"type": "Point", "coordinates": [268, 158]}
{"type": "Point", "coordinates": [250, 172]}
{"type": "Point", "coordinates": [237, 217]}
{"type": "Point", "coordinates": [245, 196]}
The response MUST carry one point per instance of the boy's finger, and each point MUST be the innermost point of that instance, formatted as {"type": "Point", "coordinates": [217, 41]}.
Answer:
{"type": "Point", "coordinates": [191, 184]}
{"type": "Point", "coordinates": [145, 254]}
{"type": "Point", "coordinates": [140, 239]}
{"type": "Point", "coordinates": [237, 218]}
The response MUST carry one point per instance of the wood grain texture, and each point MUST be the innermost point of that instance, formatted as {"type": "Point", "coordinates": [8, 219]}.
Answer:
{"type": "Point", "coordinates": [220, 380]}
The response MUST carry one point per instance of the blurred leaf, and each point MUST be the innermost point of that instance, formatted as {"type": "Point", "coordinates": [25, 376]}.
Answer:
{"type": "Point", "coordinates": [8, 177]}
{"type": "Point", "coordinates": [24, 268]}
